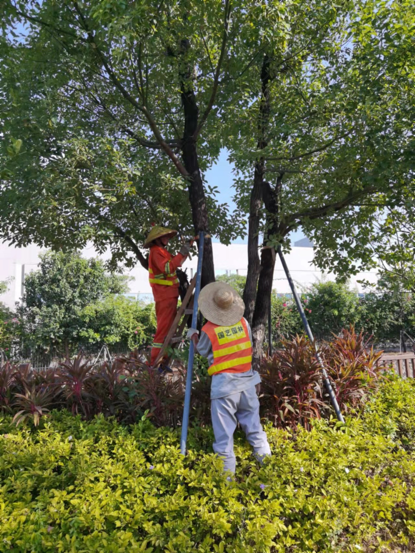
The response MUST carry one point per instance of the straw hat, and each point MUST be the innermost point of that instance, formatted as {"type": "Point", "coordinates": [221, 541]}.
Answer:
{"type": "Point", "coordinates": [158, 232]}
{"type": "Point", "coordinates": [221, 304]}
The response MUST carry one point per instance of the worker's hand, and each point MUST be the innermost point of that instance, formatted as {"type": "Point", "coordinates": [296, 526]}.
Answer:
{"type": "Point", "coordinates": [258, 389]}
{"type": "Point", "coordinates": [185, 249]}
{"type": "Point", "coordinates": [193, 334]}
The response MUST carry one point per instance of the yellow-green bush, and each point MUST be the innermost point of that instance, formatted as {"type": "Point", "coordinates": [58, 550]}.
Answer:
{"type": "Point", "coordinates": [71, 485]}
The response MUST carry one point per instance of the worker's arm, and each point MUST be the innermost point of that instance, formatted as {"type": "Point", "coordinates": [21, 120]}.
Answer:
{"type": "Point", "coordinates": [203, 345]}
{"type": "Point", "coordinates": [164, 265]}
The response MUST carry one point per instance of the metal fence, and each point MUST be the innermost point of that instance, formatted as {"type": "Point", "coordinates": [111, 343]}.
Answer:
{"type": "Point", "coordinates": [41, 362]}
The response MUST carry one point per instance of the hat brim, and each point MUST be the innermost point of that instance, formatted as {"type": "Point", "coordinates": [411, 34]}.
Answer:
{"type": "Point", "coordinates": [213, 313]}
{"type": "Point", "coordinates": [170, 234]}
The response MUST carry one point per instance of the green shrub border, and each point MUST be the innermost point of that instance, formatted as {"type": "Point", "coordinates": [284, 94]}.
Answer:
{"type": "Point", "coordinates": [72, 485]}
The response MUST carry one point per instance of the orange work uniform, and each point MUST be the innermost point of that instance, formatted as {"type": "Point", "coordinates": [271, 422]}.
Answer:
{"type": "Point", "coordinates": [165, 285]}
{"type": "Point", "coordinates": [231, 347]}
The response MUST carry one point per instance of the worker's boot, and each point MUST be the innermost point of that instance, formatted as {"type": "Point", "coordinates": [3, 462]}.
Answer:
{"type": "Point", "coordinates": [163, 368]}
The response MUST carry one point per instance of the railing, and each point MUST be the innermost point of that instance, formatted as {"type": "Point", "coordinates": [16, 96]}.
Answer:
{"type": "Point", "coordinates": [43, 362]}
{"type": "Point", "coordinates": [403, 363]}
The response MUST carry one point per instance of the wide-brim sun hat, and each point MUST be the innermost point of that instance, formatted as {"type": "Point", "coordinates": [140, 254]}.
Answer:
{"type": "Point", "coordinates": [158, 232]}
{"type": "Point", "coordinates": [221, 304]}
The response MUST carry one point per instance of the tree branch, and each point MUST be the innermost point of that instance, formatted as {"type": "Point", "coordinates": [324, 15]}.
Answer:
{"type": "Point", "coordinates": [179, 166]}
{"type": "Point", "coordinates": [307, 154]}
{"type": "Point", "coordinates": [48, 25]}
{"type": "Point", "coordinates": [218, 70]}
{"type": "Point", "coordinates": [314, 213]}
{"type": "Point", "coordinates": [146, 143]}
{"type": "Point", "coordinates": [143, 260]}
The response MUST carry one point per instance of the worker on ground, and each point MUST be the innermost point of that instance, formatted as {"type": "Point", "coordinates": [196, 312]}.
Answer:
{"type": "Point", "coordinates": [226, 341]}
{"type": "Point", "coordinates": [164, 282]}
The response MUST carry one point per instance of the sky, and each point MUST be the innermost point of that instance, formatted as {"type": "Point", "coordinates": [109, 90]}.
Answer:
{"type": "Point", "coordinates": [221, 175]}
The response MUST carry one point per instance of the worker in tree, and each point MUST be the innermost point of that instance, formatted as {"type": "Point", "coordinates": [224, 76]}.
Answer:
{"type": "Point", "coordinates": [226, 341]}
{"type": "Point", "coordinates": [164, 282]}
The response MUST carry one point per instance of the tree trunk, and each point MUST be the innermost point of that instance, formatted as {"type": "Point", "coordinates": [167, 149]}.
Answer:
{"type": "Point", "coordinates": [253, 239]}
{"type": "Point", "coordinates": [191, 162]}
{"type": "Point", "coordinates": [262, 304]}
{"type": "Point", "coordinates": [263, 299]}
{"type": "Point", "coordinates": [250, 291]}
{"type": "Point", "coordinates": [254, 267]}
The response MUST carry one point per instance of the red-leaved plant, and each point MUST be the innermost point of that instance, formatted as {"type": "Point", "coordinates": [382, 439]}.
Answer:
{"type": "Point", "coordinates": [353, 366]}
{"type": "Point", "coordinates": [73, 377]}
{"type": "Point", "coordinates": [291, 385]}
{"type": "Point", "coordinates": [292, 389]}
{"type": "Point", "coordinates": [33, 404]}
{"type": "Point", "coordinates": [7, 381]}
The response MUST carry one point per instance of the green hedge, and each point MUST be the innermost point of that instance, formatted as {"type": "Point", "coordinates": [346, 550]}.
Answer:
{"type": "Point", "coordinates": [71, 485]}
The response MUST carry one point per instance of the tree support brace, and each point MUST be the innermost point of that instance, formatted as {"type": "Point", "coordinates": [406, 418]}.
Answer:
{"type": "Point", "coordinates": [189, 376]}
{"type": "Point", "coordinates": [307, 328]}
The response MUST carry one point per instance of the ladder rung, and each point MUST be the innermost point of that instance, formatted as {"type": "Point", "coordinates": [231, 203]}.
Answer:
{"type": "Point", "coordinates": [176, 339]}
{"type": "Point", "coordinates": [188, 311]}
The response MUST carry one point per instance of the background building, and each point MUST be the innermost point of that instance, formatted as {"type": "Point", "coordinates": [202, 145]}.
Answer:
{"type": "Point", "coordinates": [15, 263]}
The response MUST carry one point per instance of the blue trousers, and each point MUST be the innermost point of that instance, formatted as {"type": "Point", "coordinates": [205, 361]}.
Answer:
{"type": "Point", "coordinates": [242, 407]}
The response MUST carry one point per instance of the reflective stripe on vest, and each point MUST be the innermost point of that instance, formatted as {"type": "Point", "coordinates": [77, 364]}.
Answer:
{"type": "Point", "coordinates": [231, 346]}
{"type": "Point", "coordinates": [163, 278]}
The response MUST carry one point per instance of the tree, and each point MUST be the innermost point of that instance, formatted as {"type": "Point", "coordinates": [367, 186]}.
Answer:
{"type": "Point", "coordinates": [113, 110]}
{"type": "Point", "coordinates": [56, 297]}
{"type": "Point", "coordinates": [108, 110]}
{"type": "Point", "coordinates": [238, 282]}
{"type": "Point", "coordinates": [388, 307]}
{"type": "Point", "coordinates": [330, 307]}
{"type": "Point", "coordinates": [328, 143]}
{"type": "Point", "coordinates": [8, 322]}
{"type": "Point", "coordinates": [285, 319]}
{"type": "Point", "coordinates": [3, 286]}
{"type": "Point", "coordinates": [391, 243]}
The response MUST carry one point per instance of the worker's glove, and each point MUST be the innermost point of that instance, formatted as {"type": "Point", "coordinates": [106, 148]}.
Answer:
{"type": "Point", "coordinates": [191, 332]}
{"type": "Point", "coordinates": [185, 249]}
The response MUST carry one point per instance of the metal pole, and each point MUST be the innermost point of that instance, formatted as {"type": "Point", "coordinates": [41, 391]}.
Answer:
{"type": "Point", "coordinates": [310, 336]}
{"type": "Point", "coordinates": [189, 376]}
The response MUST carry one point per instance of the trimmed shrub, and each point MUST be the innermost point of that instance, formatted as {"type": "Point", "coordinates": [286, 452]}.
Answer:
{"type": "Point", "coordinates": [70, 485]}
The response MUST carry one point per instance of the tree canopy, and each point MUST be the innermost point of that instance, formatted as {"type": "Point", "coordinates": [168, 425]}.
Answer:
{"type": "Point", "coordinates": [113, 111]}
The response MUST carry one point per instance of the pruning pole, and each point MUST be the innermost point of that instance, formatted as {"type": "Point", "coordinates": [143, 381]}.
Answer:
{"type": "Point", "coordinates": [189, 376]}
{"type": "Point", "coordinates": [307, 328]}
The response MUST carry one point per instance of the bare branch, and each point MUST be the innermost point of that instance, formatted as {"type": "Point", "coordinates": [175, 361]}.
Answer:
{"type": "Point", "coordinates": [218, 70]}
{"type": "Point", "coordinates": [208, 54]}
{"type": "Point", "coordinates": [283, 170]}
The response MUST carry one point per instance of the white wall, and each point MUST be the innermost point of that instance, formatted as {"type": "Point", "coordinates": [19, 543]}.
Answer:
{"type": "Point", "coordinates": [232, 259]}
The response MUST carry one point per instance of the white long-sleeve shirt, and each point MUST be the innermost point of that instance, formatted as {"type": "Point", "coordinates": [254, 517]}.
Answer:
{"type": "Point", "coordinates": [225, 384]}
